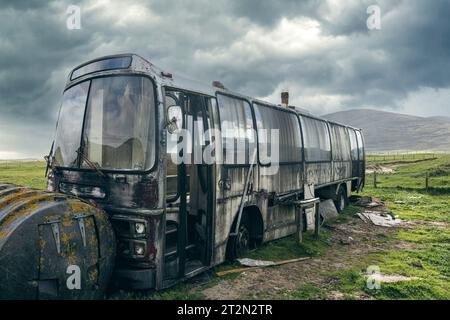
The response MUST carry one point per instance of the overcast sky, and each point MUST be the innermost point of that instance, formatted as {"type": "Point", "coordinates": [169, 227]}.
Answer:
{"type": "Point", "coordinates": [321, 51]}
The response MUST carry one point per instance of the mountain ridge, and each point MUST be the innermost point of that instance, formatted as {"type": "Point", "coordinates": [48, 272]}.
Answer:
{"type": "Point", "coordinates": [390, 131]}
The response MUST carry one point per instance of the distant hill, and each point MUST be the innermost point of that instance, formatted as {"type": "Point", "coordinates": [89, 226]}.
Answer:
{"type": "Point", "coordinates": [388, 131]}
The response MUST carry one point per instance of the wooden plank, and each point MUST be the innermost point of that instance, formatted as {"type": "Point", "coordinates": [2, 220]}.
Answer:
{"type": "Point", "coordinates": [279, 263]}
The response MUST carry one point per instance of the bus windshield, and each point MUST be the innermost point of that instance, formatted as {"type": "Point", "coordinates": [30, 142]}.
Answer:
{"type": "Point", "coordinates": [116, 112]}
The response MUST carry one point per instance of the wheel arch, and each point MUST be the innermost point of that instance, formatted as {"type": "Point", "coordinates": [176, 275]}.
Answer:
{"type": "Point", "coordinates": [252, 218]}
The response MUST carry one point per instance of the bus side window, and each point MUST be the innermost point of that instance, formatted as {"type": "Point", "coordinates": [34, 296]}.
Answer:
{"type": "Point", "coordinates": [316, 139]}
{"type": "Point", "coordinates": [353, 144]}
{"type": "Point", "coordinates": [289, 133]}
{"type": "Point", "coordinates": [360, 145]}
{"type": "Point", "coordinates": [238, 139]}
{"type": "Point", "coordinates": [340, 143]}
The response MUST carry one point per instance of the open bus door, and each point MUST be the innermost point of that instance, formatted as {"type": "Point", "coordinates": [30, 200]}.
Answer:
{"type": "Point", "coordinates": [188, 243]}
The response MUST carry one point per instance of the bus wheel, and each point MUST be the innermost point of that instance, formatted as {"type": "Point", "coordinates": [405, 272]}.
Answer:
{"type": "Point", "coordinates": [242, 241]}
{"type": "Point", "coordinates": [238, 245]}
{"type": "Point", "coordinates": [341, 200]}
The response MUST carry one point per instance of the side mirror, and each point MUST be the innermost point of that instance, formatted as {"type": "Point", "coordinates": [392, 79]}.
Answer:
{"type": "Point", "coordinates": [175, 119]}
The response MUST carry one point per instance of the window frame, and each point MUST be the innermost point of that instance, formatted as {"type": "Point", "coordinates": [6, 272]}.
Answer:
{"type": "Point", "coordinates": [78, 168]}
{"type": "Point", "coordinates": [329, 139]}
{"type": "Point", "coordinates": [219, 116]}
{"type": "Point", "coordinates": [357, 145]}
{"type": "Point", "coordinates": [362, 154]}
{"type": "Point", "coordinates": [210, 125]}
{"type": "Point", "coordinates": [77, 159]}
{"type": "Point", "coordinates": [72, 78]}
{"type": "Point", "coordinates": [331, 125]}
{"type": "Point", "coordinates": [281, 163]}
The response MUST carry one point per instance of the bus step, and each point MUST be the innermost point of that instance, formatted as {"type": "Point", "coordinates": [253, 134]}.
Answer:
{"type": "Point", "coordinates": [171, 229]}
{"type": "Point", "coordinates": [173, 250]}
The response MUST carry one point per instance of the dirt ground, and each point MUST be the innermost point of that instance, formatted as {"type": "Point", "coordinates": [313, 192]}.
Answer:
{"type": "Point", "coordinates": [351, 241]}
{"type": "Point", "coordinates": [389, 167]}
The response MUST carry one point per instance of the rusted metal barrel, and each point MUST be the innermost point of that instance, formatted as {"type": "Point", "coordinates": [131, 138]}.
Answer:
{"type": "Point", "coordinates": [52, 246]}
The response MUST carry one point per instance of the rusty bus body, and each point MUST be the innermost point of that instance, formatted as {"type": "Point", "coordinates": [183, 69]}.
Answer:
{"type": "Point", "coordinates": [175, 221]}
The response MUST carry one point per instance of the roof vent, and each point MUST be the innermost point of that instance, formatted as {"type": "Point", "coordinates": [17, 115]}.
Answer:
{"type": "Point", "coordinates": [166, 74]}
{"type": "Point", "coordinates": [218, 84]}
{"type": "Point", "coordinates": [285, 99]}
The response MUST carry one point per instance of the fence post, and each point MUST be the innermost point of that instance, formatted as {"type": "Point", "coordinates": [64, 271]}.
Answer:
{"type": "Point", "coordinates": [427, 177]}
{"type": "Point", "coordinates": [299, 224]}
{"type": "Point", "coordinates": [316, 220]}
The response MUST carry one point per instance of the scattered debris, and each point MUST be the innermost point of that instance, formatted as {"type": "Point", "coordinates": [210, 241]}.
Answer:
{"type": "Point", "coordinates": [379, 214]}
{"type": "Point", "coordinates": [368, 202]}
{"type": "Point", "coordinates": [391, 278]}
{"type": "Point", "coordinates": [255, 263]}
{"type": "Point", "coordinates": [335, 295]}
{"type": "Point", "coordinates": [380, 169]}
{"type": "Point", "coordinates": [361, 200]}
{"type": "Point", "coordinates": [347, 241]}
{"type": "Point", "coordinates": [327, 209]}
{"type": "Point", "coordinates": [363, 217]}
{"type": "Point", "coordinates": [279, 263]}
{"type": "Point", "coordinates": [378, 218]}
{"type": "Point", "coordinates": [373, 204]}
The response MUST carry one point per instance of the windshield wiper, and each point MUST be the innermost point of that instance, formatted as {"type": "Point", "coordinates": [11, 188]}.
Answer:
{"type": "Point", "coordinates": [93, 165]}
{"type": "Point", "coordinates": [51, 160]}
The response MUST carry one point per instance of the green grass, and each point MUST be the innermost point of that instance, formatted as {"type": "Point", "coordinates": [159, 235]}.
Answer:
{"type": "Point", "coordinates": [287, 248]}
{"type": "Point", "coordinates": [27, 173]}
{"type": "Point", "coordinates": [181, 291]}
{"type": "Point", "coordinates": [412, 176]}
{"type": "Point", "coordinates": [306, 292]}
{"type": "Point", "coordinates": [408, 185]}
{"type": "Point", "coordinates": [428, 255]}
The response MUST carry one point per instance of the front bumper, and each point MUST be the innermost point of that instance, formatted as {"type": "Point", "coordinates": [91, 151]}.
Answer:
{"type": "Point", "coordinates": [135, 279]}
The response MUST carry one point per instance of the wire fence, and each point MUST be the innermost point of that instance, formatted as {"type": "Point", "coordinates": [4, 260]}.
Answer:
{"type": "Point", "coordinates": [400, 156]}
{"type": "Point", "coordinates": [424, 182]}
{"type": "Point", "coordinates": [388, 170]}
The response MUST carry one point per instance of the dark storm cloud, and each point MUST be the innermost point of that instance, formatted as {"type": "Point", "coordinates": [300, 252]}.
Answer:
{"type": "Point", "coordinates": [320, 50]}
{"type": "Point", "coordinates": [268, 13]}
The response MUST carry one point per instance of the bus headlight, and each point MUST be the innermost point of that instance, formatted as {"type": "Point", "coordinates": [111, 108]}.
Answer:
{"type": "Point", "coordinates": [139, 227]}
{"type": "Point", "coordinates": [139, 249]}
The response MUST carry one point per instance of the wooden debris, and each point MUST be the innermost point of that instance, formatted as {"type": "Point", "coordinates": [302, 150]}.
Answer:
{"type": "Point", "coordinates": [279, 263]}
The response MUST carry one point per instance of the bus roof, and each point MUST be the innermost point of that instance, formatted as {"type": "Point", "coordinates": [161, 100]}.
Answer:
{"type": "Point", "coordinates": [141, 65]}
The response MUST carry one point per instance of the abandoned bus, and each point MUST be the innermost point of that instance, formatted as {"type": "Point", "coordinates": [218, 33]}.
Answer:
{"type": "Point", "coordinates": [113, 147]}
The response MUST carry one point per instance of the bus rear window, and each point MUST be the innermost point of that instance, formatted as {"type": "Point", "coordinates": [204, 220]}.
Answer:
{"type": "Point", "coordinates": [102, 65]}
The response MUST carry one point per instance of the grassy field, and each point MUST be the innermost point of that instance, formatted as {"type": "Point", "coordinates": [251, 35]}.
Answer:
{"type": "Point", "coordinates": [428, 256]}
{"type": "Point", "coordinates": [412, 171]}
{"type": "Point", "coordinates": [419, 251]}
{"type": "Point", "coordinates": [27, 173]}
{"type": "Point", "coordinates": [395, 156]}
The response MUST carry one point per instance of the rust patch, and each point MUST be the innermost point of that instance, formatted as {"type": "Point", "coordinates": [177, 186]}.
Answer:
{"type": "Point", "coordinates": [93, 275]}
{"type": "Point", "coordinates": [33, 203]}
{"type": "Point", "coordinates": [67, 222]}
{"type": "Point", "coordinates": [78, 206]}
{"type": "Point", "coordinates": [4, 234]}
{"type": "Point", "coordinates": [42, 244]}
